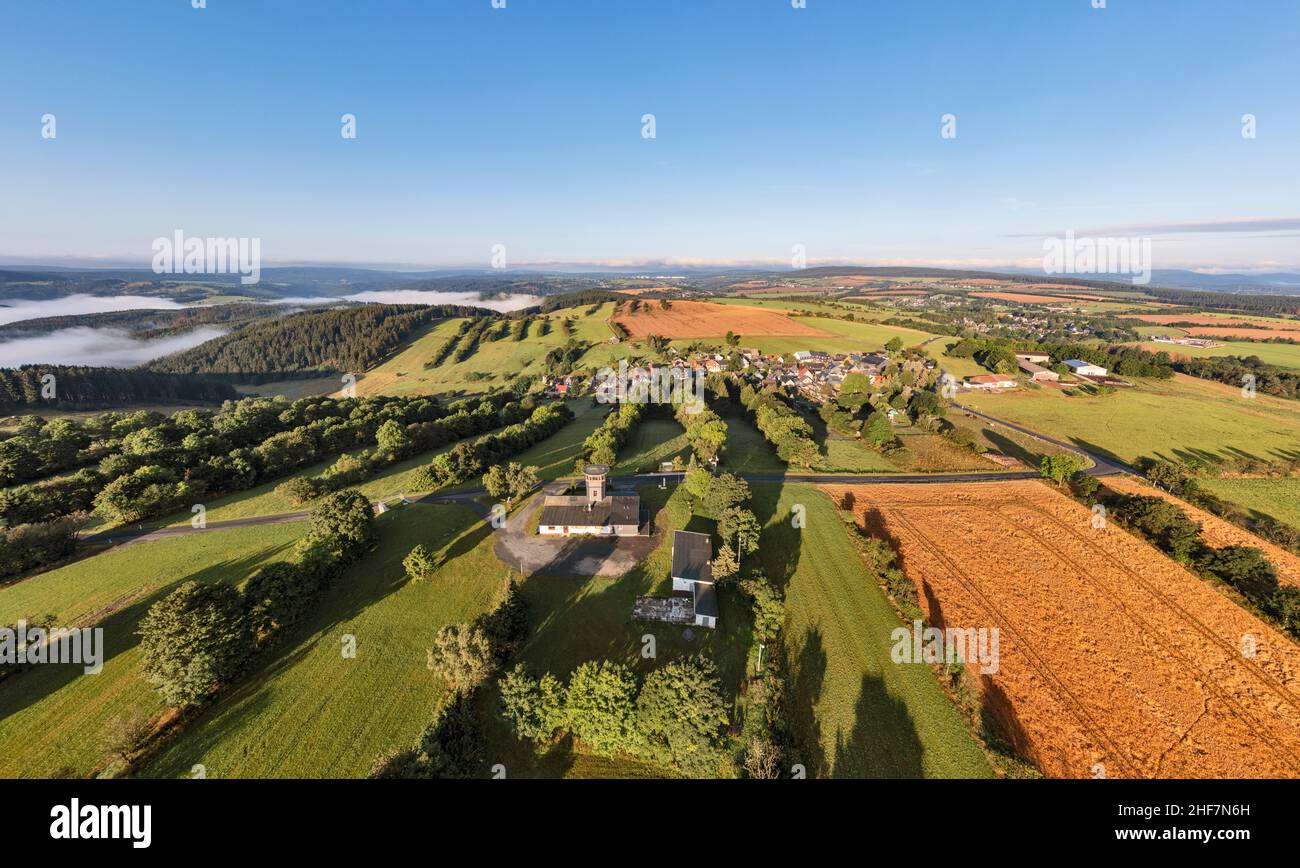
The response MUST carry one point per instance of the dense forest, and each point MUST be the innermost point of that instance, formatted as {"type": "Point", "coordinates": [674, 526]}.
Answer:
{"type": "Point", "coordinates": [75, 387]}
{"type": "Point", "coordinates": [1199, 300]}
{"type": "Point", "coordinates": [316, 342]}
{"type": "Point", "coordinates": [148, 324]}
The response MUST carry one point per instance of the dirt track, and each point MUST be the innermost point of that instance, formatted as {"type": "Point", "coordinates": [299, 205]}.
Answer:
{"type": "Point", "coordinates": [701, 319]}
{"type": "Point", "coordinates": [1114, 660]}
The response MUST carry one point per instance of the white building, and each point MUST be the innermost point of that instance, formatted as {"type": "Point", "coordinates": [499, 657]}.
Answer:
{"type": "Point", "coordinates": [1085, 369]}
{"type": "Point", "coordinates": [595, 514]}
{"type": "Point", "coordinates": [693, 574]}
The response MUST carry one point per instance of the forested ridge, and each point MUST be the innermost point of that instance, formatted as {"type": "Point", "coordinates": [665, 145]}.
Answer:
{"type": "Point", "coordinates": [79, 387]}
{"type": "Point", "coordinates": [348, 339]}
{"type": "Point", "coordinates": [147, 324]}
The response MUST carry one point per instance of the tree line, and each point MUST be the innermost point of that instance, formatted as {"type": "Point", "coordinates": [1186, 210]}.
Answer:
{"type": "Point", "coordinates": [1242, 370]}
{"type": "Point", "coordinates": [149, 465]}
{"type": "Point", "coordinates": [783, 427]}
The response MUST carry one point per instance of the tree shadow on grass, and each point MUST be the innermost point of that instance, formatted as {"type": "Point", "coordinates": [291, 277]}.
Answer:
{"type": "Point", "coordinates": [883, 742]}
{"type": "Point", "coordinates": [807, 677]}
{"type": "Point", "coordinates": [781, 545]}
{"type": "Point", "coordinates": [1007, 446]}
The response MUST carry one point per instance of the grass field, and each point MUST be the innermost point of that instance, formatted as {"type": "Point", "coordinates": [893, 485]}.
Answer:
{"type": "Point", "coordinates": [53, 719]}
{"type": "Point", "coordinates": [856, 714]}
{"type": "Point", "coordinates": [847, 455]}
{"type": "Point", "coordinates": [1181, 418]}
{"type": "Point", "coordinates": [1275, 498]}
{"type": "Point", "coordinates": [295, 389]}
{"type": "Point", "coordinates": [747, 450]}
{"type": "Point", "coordinates": [653, 441]}
{"type": "Point", "coordinates": [494, 363]}
{"type": "Point", "coordinates": [555, 456]}
{"type": "Point", "coordinates": [573, 620]}
{"type": "Point", "coordinates": [1284, 355]}
{"type": "Point", "coordinates": [841, 337]}
{"type": "Point", "coordinates": [310, 712]}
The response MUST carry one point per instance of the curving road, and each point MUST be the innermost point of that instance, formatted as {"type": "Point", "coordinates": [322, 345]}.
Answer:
{"type": "Point", "coordinates": [469, 497]}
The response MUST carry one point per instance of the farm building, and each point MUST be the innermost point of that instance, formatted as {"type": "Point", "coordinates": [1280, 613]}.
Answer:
{"type": "Point", "coordinates": [596, 513]}
{"type": "Point", "coordinates": [1037, 372]}
{"type": "Point", "coordinates": [990, 382]}
{"type": "Point", "coordinates": [1034, 358]}
{"type": "Point", "coordinates": [694, 599]}
{"type": "Point", "coordinates": [1085, 369]}
{"type": "Point", "coordinates": [693, 574]}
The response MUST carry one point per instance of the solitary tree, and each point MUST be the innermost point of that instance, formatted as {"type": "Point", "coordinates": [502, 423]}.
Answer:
{"type": "Point", "coordinates": [419, 563]}
{"type": "Point", "coordinates": [1060, 468]}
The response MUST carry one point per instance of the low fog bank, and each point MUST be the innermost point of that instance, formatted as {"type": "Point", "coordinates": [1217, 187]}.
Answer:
{"type": "Point", "coordinates": [111, 348]}
{"type": "Point", "coordinates": [18, 309]}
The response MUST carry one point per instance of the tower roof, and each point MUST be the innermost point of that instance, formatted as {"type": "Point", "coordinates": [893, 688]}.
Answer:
{"type": "Point", "coordinates": [596, 470]}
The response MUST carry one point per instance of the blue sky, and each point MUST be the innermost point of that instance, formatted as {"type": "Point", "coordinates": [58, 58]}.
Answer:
{"type": "Point", "coordinates": [774, 127]}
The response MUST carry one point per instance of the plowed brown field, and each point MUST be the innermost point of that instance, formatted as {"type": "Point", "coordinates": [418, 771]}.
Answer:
{"type": "Point", "coordinates": [702, 319]}
{"type": "Point", "coordinates": [1114, 660]}
{"type": "Point", "coordinates": [1216, 531]}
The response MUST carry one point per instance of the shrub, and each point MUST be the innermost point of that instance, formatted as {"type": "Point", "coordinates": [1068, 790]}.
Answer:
{"type": "Point", "coordinates": [534, 707]}
{"type": "Point", "coordinates": [463, 655]}
{"type": "Point", "coordinates": [420, 563]}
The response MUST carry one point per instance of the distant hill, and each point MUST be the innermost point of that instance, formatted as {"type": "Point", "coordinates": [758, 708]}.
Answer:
{"type": "Point", "coordinates": [311, 343]}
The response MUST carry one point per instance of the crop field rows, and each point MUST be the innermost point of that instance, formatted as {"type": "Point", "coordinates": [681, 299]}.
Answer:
{"type": "Point", "coordinates": [1114, 660]}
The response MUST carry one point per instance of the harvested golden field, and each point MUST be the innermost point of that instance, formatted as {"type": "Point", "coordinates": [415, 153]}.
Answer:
{"type": "Point", "coordinates": [702, 319]}
{"type": "Point", "coordinates": [1216, 531]}
{"type": "Point", "coordinates": [1113, 660]}
{"type": "Point", "coordinates": [643, 289]}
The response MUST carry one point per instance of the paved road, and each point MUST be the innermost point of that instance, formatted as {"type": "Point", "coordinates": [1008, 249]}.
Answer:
{"type": "Point", "coordinates": [468, 497]}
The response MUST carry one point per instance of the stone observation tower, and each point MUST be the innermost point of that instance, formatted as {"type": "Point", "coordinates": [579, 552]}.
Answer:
{"type": "Point", "coordinates": [596, 475]}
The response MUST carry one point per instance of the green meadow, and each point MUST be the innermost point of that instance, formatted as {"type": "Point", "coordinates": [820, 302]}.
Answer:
{"type": "Point", "coordinates": [310, 711]}
{"type": "Point", "coordinates": [1278, 499]}
{"type": "Point", "coordinates": [855, 713]}
{"type": "Point", "coordinates": [55, 720]}
{"type": "Point", "coordinates": [1176, 419]}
